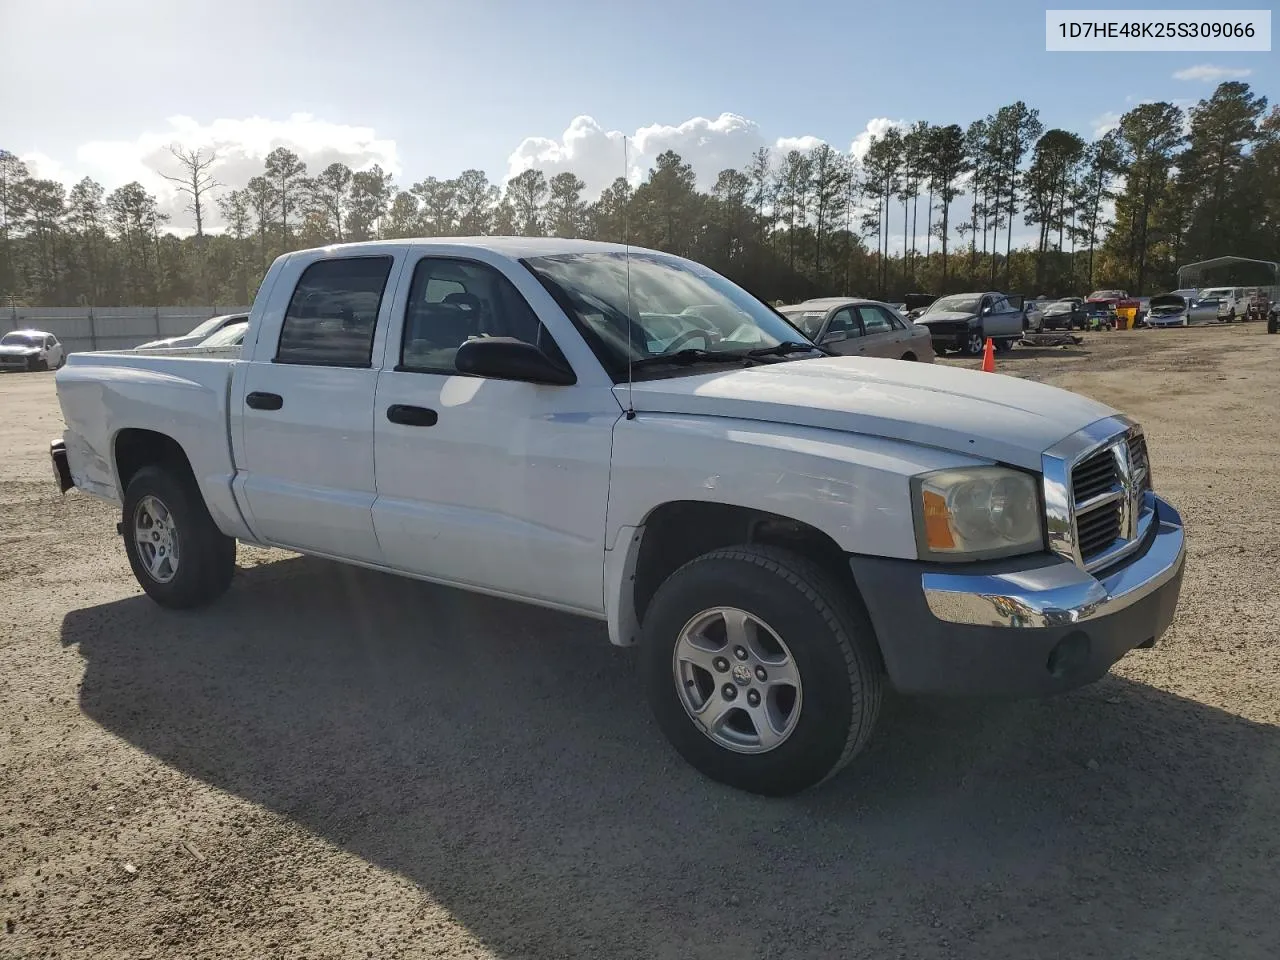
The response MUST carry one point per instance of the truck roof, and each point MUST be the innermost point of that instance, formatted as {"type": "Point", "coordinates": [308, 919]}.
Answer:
{"type": "Point", "coordinates": [514, 247]}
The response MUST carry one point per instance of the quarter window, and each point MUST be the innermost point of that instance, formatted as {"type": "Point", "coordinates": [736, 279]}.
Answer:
{"type": "Point", "coordinates": [452, 301]}
{"type": "Point", "coordinates": [333, 313]}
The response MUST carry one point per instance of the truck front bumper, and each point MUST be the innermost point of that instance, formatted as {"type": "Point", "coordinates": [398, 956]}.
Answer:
{"type": "Point", "coordinates": [1024, 626]}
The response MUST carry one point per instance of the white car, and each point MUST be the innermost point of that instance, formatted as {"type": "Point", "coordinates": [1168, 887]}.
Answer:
{"type": "Point", "coordinates": [782, 533]}
{"type": "Point", "coordinates": [197, 335]}
{"type": "Point", "coordinates": [31, 350]}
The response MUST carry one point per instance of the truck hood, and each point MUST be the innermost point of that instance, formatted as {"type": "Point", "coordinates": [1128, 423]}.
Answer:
{"type": "Point", "coordinates": [966, 411]}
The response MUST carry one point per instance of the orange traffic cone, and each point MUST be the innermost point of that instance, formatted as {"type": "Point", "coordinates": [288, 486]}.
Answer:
{"type": "Point", "coordinates": [989, 357]}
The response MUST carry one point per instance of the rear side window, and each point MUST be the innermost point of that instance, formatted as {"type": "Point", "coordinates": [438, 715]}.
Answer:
{"type": "Point", "coordinates": [333, 313]}
{"type": "Point", "coordinates": [452, 301]}
{"type": "Point", "coordinates": [874, 320]}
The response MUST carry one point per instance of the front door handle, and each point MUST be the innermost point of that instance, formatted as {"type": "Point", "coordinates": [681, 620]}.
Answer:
{"type": "Point", "coordinates": [411, 416]}
{"type": "Point", "coordinates": [264, 401]}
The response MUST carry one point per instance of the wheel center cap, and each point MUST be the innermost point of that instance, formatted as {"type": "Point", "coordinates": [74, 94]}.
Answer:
{"type": "Point", "coordinates": [741, 674]}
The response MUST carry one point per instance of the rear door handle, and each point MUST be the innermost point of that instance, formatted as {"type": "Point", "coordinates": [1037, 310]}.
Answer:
{"type": "Point", "coordinates": [264, 401]}
{"type": "Point", "coordinates": [411, 416]}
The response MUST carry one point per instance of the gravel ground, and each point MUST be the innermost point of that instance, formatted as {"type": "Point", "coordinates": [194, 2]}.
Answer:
{"type": "Point", "coordinates": [335, 763]}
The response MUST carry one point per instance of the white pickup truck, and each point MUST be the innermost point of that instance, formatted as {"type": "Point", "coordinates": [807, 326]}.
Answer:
{"type": "Point", "coordinates": [629, 436]}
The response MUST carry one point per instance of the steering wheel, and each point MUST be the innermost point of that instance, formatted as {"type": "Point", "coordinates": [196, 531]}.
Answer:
{"type": "Point", "coordinates": [707, 336]}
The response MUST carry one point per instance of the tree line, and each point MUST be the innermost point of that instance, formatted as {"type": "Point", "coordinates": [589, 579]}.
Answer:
{"type": "Point", "coordinates": [1165, 187]}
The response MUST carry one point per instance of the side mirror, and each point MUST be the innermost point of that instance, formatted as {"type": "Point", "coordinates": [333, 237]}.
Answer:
{"type": "Point", "coordinates": [506, 358]}
{"type": "Point", "coordinates": [834, 336]}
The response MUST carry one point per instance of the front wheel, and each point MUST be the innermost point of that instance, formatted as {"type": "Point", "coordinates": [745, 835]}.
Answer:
{"type": "Point", "coordinates": [760, 669]}
{"type": "Point", "coordinates": [177, 553]}
{"type": "Point", "coordinates": [1272, 323]}
{"type": "Point", "coordinates": [975, 342]}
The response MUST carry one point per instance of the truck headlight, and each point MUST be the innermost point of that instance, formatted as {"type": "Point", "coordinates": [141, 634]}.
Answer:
{"type": "Point", "coordinates": [975, 513]}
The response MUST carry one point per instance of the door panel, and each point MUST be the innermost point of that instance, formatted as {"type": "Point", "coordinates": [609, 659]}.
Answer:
{"type": "Point", "coordinates": [879, 336]}
{"type": "Point", "coordinates": [306, 413]}
{"type": "Point", "coordinates": [846, 322]}
{"type": "Point", "coordinates": [496, 484]}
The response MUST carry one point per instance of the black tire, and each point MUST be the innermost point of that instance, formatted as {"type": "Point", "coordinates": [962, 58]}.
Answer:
{"type": "Point", "coordinates": [206, 556]}
{"type": "Point", "coordinates": [1004, 345]}
{"type": "Point", "coordinates": [42, 366]}
{"type": "Point", "coordinates": [1272, 323]}
{"type": "Point", "coordinates": [830, 638]}
{"type": "Point", "coordinates": [978, 337]}
{"type": "Point", "coordinates": [908, 356]}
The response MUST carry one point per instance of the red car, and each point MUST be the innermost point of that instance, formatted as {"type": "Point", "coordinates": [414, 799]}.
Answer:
{"type": "Point", "coordinates": [1108, 302]}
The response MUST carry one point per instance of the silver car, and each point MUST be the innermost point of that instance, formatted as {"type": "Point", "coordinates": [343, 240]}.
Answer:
{"type": "Point", "coordinates": [855, 327]}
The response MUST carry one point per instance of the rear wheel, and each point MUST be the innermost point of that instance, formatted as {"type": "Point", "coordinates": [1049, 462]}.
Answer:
{"type": "Point", "coordinates": [178, 555]}
{"type": "Point", "coordinates": [908, 355]}
{"type": "Point", "coordinates": [761, 669]}
{"type": "Point", "coordinates": [1004, 345]}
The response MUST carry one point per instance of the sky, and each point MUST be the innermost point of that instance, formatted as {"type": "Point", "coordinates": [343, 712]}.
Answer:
{"type": "Point", "coordinates": [429, 88]}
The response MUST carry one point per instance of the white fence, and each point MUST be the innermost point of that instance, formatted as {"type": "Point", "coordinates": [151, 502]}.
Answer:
{"type": "Point", "coordinates": [109, 328]}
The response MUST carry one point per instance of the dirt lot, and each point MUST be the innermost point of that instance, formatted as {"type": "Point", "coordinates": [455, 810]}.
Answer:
{"type": "Point", "coordinates": [333, 763]}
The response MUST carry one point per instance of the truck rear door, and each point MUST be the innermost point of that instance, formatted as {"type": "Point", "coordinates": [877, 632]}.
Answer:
{"type": "Point", "coordinates": [304, 405]}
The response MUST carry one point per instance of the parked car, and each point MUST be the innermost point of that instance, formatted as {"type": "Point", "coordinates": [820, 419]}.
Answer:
{"type": "Point", "coordinates": [1065, 314]}
{"type": "Point", "coordinates": [199, 333]}
{"type": "Point", "coordinates": [1230, 300]}
{"type": "Point", "coordinates": [852, 326]}
{"type": "Point", "coordinates": [1168, 310]}
{"type": "Point", "coordinates": [963, 321]}
{"type": "Point", "coordinates": [31, 350]}
{"type": "Point", "coordinates": [783, 533]}
{"type": "Point", "coordinates": [1175, 310]}
{"type": "Point", "coordinates": [232, 335]}
{"type": "Point", "coordinates": [1273, 318]}
{"type": "Point", "coordinates": [1257, 304]}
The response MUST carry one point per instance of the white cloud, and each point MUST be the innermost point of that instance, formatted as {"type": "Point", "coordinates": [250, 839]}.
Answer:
{"type": "Point", "coordinates": [876, 127]}
{"type": "Point", "coordinates": [44, 167]}
{"type": "Point", "coordinates": [1208, 73]}
{"type": "Point", "coordinates": [596, 154]}
{"type": "Point", "coordinates": [1106, 123]}
{"type": "Point", "coordinates": [240, 147]}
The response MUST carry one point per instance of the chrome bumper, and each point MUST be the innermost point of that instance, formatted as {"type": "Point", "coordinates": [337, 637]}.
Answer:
{"type": "Point", "coordinates": [1060, 594]}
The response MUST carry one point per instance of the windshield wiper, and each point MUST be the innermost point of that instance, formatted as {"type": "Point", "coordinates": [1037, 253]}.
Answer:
{"type": "Point", "coordinates": [692, 355]}
{"type": "Point", "coordinates": [785, 348]}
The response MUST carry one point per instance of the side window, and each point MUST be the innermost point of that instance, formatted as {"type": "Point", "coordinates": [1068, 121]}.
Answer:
{"type": "Point", "coordinates": [453, 301]}
{"type": "Point", "coordinates": [844, 320]}
{"type": "Point", "coordinates": [1000, 305]}
{"type": "Point", "coordinates": [48, 343]}
{"type": "Point", "coordinates": [898, 322]}
{"type": "Point", "coordinates": [333, 312]}
{"type": "Point", "coordinates": [874, 321]}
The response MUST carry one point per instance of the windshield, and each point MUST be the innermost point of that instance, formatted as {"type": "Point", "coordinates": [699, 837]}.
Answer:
{"type": "Point", "coordinates": [674, 305]}
{"type": "Point", "coordinates": [809, 321]}
{"type": "Point", "coordinates": [958, 303]}
{"type": "Point", "coordinates": [1062, 306]}
{"type": "Point", "coordinates": [229, 335]}
{"type": "Point", "coordinates": [1106, 295]}
{"type": "Point", "coordinates": [19, 340]}
{"type": "Point", "coordinates": [1220, 293]}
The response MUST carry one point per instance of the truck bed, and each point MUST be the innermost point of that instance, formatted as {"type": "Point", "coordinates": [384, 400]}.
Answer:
{"type": "Point", "coordinates": [105, 394]}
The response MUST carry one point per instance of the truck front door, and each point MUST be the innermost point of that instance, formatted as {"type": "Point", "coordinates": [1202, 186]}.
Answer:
{"type": "Point", "coordinates": [494, 484]}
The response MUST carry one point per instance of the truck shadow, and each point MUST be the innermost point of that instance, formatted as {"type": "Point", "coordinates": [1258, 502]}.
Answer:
{"type": "Point", "coordinates": [502, 758]}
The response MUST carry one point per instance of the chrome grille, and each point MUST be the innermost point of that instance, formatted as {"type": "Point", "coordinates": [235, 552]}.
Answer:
{"type": "Point", "coordinates": [1096, 492]}
{"type": "Point", "coordinates": [1099, 503]}
{"type": "Point", "coordinates": [1094, 476]}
